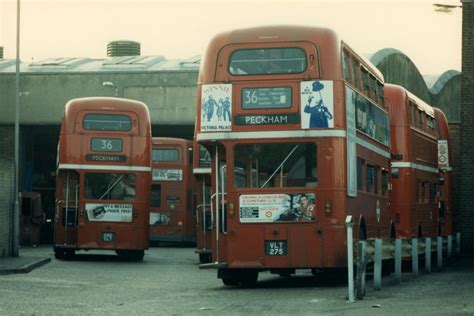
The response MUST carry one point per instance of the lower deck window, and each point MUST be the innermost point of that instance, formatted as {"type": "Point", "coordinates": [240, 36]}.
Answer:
{"type": "Point", "coordinates": [110, 186]}
{"type": "Point", "coordinates": [275, 165]}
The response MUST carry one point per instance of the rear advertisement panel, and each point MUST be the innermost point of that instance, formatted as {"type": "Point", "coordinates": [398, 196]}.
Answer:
{"type": "Point", "coordinates": [267, 208]}
{"type": "Point", "coordinates": [109, 212]}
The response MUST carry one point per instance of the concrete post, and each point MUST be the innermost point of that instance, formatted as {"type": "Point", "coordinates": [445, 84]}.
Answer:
{"type": "Point", "coordinates": [414, 256]}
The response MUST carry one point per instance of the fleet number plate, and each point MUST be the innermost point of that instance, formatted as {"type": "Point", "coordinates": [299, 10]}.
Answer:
{"type": "Point", "coordinates": [108, 236]}
{"type": "Point", "coordinates": [276, 248]}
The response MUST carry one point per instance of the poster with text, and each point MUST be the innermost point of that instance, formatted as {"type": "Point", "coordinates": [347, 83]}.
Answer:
{"type": "Point", "coordinates": [167, 174]}
{"type": "Point", "coordinates": [261, 208]}
{"type": "Point", "coordinates": [216, 107]}
{"type": "Point", "coordinates": [109, 212]}
{"type": "Point", "coordinates": [317, 105]}
{"type": "Point", "coordinates": [159, 218]}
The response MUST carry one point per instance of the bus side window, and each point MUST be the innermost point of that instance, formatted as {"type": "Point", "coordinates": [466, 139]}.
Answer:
{"type": "Point", "coordinates": [369, 178]}
{"type": "Point", "coordinates": [155, 195]}
{"type": "Point", "coordinates": [69, 182]}
{"type": "Point", "coordinates": [376, 179]}
{"type": "Point", "coordinates": [365, 81]}
{"type": "Point", "coordinates": [355, 73]}
{"type": "Point", "coordinates": [359, 174]}
{"type": "Point", "coordinates": [345, 65]}
{"type": "Point", "coordinates": [384, 182]}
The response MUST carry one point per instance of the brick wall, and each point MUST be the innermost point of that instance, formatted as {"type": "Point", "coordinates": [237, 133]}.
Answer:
{"type": "Point", "coordinates": [466, 214]}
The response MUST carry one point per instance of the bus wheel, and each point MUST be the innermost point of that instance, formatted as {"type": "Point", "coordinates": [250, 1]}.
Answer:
{"type": "Point", "coordinates": [230, 281]}
{"type": "Point", "coordinates": [59, 253]}
{"type": "Point", "coordinates": [249, 279]}
{"type": "Point", "coordinates": [131, 255]}
{"type": "Point", "coordinates": [135, 255]}
{"type": "Point", "coordinates": [205, 257]}
{"type": "Point", "coordinates": [63, 253]}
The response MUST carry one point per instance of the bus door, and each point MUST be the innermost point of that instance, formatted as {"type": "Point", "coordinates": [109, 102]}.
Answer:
{"type": "Point", "coordinates": [218, 203]}
{"type": "Point", "coordinates": [67, 208]}
{"type": "Point", "coordinates": [203, 212]}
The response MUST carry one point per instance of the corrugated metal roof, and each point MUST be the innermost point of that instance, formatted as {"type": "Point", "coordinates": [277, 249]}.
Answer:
{"type": "Point", "coordinates": [113, 64]}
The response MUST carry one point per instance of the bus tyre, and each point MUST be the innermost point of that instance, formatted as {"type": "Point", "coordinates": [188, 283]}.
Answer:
{"type": "Point", "coordinates": [131, 255]}
{"type": "Point", "coordinates": [205, 257]}
{"type": "Point", "coordinates": [63, 254]}
{"type": "Point", "coordinates": [137, 255]}
{"type": "Point", "coordinates": [230, 281]}
{"type": "Point", "coordinates": [59, 253]}
{"type": "Point", "coordinates": [249, 279]}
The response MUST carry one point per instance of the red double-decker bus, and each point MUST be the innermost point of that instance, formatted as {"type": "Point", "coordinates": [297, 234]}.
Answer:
{"type": "Point", "coordinates": [172, 191]}
{"type": "Point", "coordinates": [446, 203]}
{"type": "Point", "coordinates": [103, 177]}
{"type": "Point", "coordinates": [204, 218]}
{"type": "Point", "coordinates": [416, 191]}
{"type": "Point", "coordinates": [298, 132]}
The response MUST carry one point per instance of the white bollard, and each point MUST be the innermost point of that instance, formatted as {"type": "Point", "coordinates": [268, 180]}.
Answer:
{"type": "Point", "coordinates": [458, 243]}
{"type": "Point", "coordinates": [361, 269]}
{"type": "Point", "coordinates": [450, 245]}
{"type": "Point", "coordinates": [350, 259]}
{"type": "Point", "coordinates": [398, 260]}
{"type": "Point", "coordinates": [440, 252]}
{"type": "Point", "coordinates": [414, 256]}
{"type": "Point", "coordinates": [428, 254]}
{"type": "Point", "coordinates": [378, 264]}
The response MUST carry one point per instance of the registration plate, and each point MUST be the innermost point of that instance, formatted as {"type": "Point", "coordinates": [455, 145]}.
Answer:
{"type": "Point", "coordinates": [276, 248]}
{"type": "Point", "coordinates": [108, 236]}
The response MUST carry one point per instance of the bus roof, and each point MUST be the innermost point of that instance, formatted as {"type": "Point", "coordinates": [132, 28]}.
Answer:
{"type": "Point", "coordinates": [442, 123]}
{"type": "Point", "coordinates": [104, 103]}
{"type": "Point", "coordinates": [275, 34]}
{"type": "Point", "coordinates": [405, 94]}
{"type": "Point", "coordinates": [170, 141]}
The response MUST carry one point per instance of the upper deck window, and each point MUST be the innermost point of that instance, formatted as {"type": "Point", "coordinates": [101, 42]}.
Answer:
{"type": "Point", "coordinates": [107, 122]}
{"type": "Point", "coordinates": [268, 61]}
{"type": "Point", "coordinates": [345, 66]}
{"type": "Point", "coordinates": [355, 73]}
{"type": "Point", "coordinates": [165, 155]}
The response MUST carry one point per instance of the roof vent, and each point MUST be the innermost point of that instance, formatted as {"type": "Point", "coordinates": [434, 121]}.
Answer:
{"type": "Point", "coordinates": [1, 52]}
{"type": "Point", "coordinates": [123, 48]}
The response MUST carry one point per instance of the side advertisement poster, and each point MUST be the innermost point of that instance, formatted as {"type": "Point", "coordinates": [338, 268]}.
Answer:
{"type": "Point", "coordinates": [167, 174]}
{"type": "Point", "coordinates": [264, 208]}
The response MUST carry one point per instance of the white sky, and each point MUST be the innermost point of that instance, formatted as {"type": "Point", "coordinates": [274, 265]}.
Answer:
{"type": "Point", "coordinates": [182, 28]}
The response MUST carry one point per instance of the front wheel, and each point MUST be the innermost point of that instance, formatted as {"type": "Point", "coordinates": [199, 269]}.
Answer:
{"type": "Point", "coordinates": [131, 255]}
{"type": "Point", "coordinates": [230, 281]}
{"type": "Point", "coordinates": [63, 253]}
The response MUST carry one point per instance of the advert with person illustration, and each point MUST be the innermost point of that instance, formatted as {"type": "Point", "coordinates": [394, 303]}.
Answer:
{"type": "Point", "coordinates": [260, 208]}
{"type": "Point", "coordinates": [216, 107]}
{"type": "Point", "coordinates": [317, 105]}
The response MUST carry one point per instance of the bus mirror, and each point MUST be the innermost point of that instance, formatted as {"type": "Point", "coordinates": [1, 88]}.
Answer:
{"type": "Point", "coordinates": [441, 180]}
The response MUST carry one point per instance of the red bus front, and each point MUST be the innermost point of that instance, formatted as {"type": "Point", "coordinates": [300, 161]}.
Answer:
{"type": "Point", "coordinates": [103, 177]}
{"type": "Point", "coordinates": [279, 121]}
{"type": "Point", "coordinates": [172, 191]}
